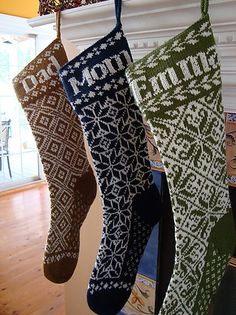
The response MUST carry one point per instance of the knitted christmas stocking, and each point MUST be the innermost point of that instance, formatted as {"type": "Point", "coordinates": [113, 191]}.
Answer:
{"type": "Point", "coordinates": [178, 88]}
{"type": "Point", "coordinates": [59, 139]}
{"type": "Point", "coordinates": [98, 90]}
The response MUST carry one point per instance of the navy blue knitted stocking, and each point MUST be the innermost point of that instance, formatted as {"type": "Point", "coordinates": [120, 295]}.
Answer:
{"type": "Point", "coordinates": [96, 86]}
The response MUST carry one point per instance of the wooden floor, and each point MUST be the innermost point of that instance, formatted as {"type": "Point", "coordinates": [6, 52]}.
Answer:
{"type": "Point", "coordinates": [24, 220]}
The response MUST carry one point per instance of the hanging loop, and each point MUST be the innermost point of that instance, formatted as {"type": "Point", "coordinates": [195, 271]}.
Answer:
{"type": "Point", "coordinates": [204, 6]}
{"type": "Point", "coordinates": [58, 21]}
{"type": "Point", "coordinates": [118, 5]}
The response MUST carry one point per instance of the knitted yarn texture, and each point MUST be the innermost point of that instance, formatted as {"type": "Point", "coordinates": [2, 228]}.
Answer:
{"type": "Point", "coordinates": [178, 88]}
{"type": "Point", "coordinates": [97, 88]}
{"type": "Point", "coordinates": [59, 138]}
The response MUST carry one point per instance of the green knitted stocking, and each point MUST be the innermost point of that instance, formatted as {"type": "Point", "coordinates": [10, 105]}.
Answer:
{"type": "Point", "coordinates": [178, 88]}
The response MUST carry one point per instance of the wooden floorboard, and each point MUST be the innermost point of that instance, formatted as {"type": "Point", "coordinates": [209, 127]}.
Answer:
{"type": "Point", "coordinates": [24, 221]}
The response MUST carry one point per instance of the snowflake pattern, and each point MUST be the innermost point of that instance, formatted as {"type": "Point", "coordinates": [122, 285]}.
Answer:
{"type": "Point", "coordinates": [114, 128]}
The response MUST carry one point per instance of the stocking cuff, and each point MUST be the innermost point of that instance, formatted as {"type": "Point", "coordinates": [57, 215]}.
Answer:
{"type": "Point", "coordinates": [40, 76]}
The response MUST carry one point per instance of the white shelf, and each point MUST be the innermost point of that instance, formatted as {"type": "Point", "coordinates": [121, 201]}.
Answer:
{"type": "Point", "coordinates": [149, 23]}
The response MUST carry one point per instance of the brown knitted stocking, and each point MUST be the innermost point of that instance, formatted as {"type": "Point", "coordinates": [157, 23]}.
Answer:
{"type": "Point", "coordinates": [59, 139]}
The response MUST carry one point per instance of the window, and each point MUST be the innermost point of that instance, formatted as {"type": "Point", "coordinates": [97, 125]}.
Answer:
{"type": "Point", "coordinates": [19, 160]}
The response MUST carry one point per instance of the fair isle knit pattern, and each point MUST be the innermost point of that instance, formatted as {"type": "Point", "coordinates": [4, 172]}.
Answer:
{"type": "Point", "coordinates": [59, 139]}
{"type": "Point", "coordinates": [96, 85]}
{"type": "Point", "coordinates": [122, 174]}
{"type": "Point", "coordinates": [178, 88]}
